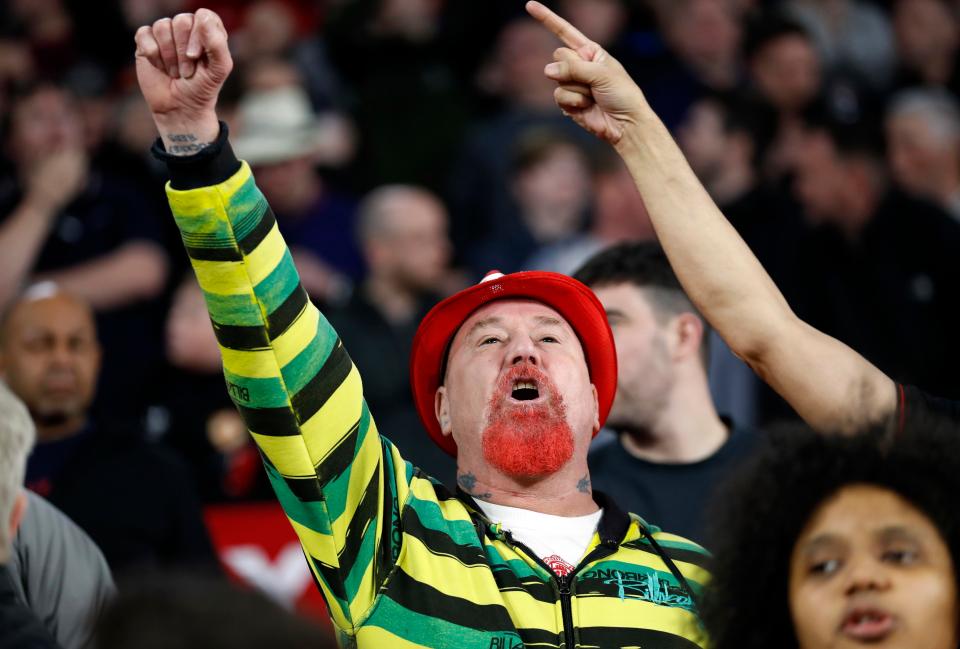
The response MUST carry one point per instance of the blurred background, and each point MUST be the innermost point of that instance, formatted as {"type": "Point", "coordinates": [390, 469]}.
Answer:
{"type": "Point", "coordinates": [409, 146]}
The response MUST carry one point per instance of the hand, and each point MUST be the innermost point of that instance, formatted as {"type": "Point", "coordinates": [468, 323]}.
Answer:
{"type": "Point", "coordinates": [56, 180]}
{"type": "Point", "coordinates": [594, 89]}
{"type": "Point", "coordinates": [181, 66]}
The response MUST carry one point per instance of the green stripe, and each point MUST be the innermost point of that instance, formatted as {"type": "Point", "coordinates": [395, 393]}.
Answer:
{"type": "Point", "coordinates": [461, 531]}
{"type": "Point", "coordinates": [247, 206]}
{"type": "Point", "coordinates": [275, 287]}
{"type": "Point", "coordinates": [336, 491]}
{"type": "Point", "coordinates": [307, 514]}
{"type": "Point", "coordinates": [418, 629]}
{"type": "Point", "coordinates": [262, 393]}
{"type": "Point", "coordinates": [305, 365]}
{"type": "Point", "coordinates": [204, 227]}
{"type": "Point", "coordinates": [237, 310]}
{"type": "Point", "coordinates": [351, 582]}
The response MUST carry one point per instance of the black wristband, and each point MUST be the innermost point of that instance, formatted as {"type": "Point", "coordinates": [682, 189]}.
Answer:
{"type": "Point", "coordinates": [211, 165]}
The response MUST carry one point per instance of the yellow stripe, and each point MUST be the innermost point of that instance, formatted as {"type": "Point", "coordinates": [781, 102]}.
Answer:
{"type": "Point", "coordinates": [448, 575]}
{"type": "Point", "coordinates": [287, 454]}
{"type": "Point", "coordinates": [362, 601]}
{"type": "Point", "coordinates": [265, 258]}
{"type": "Point", "coordinates": [317, 545]}
{"type": "Point", "coordinates": [222, 277]}
{"type": "Point", "coordinates": [230, 187]}
{"type": "Point", "coordinates": [341, 411]}
{"type": "Point", "coordinates": [257, 364]}
{"type": "Point", "coordinates": [635, 613]}
{"type": "Point", "coordinates": [295, 339]}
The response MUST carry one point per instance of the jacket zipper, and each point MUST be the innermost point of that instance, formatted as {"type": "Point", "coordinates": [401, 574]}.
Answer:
{"type": "Point", "coordinates": [566, 595]}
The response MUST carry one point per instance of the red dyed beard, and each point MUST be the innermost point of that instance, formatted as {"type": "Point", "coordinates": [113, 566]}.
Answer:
{"type": "Point", "coordinates": [527, 440]}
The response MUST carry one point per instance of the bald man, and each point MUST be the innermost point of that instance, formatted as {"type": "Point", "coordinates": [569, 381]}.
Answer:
{"type": "Point", "coordinates": [135, 500]}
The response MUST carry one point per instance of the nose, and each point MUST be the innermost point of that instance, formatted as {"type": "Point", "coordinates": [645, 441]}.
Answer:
{"type": "Point", "coordinates": [523, 350]}
{"type": "Point", "coordinates": [866, 576]}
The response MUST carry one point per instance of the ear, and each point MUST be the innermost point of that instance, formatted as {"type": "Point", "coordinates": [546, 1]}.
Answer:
{"type": "Point", "coordinates": [16, 515]}
{"type": "Point", "coordinates": [441, 408]}
{"type": "Point", "coordinates": [688, 335]}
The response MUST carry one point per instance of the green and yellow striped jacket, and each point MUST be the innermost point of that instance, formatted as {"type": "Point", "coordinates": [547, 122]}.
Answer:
{"type": "Point", "coordinates": [401, 561]}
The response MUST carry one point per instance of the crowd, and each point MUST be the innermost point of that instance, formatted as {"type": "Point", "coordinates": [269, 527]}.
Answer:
{"type": "Point", "coordinates": [405, 149]}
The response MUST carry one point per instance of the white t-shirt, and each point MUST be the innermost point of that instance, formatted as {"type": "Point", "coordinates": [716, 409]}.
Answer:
{"type": "Point", "coordinates": [559, 541]}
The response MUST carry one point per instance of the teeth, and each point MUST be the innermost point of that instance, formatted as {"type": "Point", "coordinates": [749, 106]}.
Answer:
{"type": "Point", "coordinates": [524, 385]}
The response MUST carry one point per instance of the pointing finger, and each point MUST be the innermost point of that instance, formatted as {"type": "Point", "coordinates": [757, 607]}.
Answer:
{"type": "Point", "coordinates": [182, 25]}
{"type": "Point", "coordinates": [570, 35]}
{"type": "Point", "coordinates": [163, 32]}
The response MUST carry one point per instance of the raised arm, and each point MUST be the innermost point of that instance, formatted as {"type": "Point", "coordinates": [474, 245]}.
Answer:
{"type": "Point", "coordinates": [290, 377]}
{"type": "Point", "coordinates": [830, 385]}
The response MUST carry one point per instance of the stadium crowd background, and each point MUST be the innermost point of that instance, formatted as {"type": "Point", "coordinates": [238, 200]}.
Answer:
{"type": "Point", "coordinates": [408, 146]}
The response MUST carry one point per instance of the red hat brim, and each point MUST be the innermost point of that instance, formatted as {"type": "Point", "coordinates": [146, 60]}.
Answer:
{"type": "Point", "coordinates": [573, 300]}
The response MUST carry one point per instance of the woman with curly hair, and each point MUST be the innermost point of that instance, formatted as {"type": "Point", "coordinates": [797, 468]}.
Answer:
{"type": "Point", "coordinates": [833, 542]}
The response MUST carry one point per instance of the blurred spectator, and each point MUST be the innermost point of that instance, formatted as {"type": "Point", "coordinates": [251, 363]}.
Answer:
{"type": "Point", "coordinates": [190, 612]}
{"type": "Point", "coordinates": [672, 447]}
{"type": "Point", "coordinates": [923, 136]}
{"type": "Point", "coordinates": [403, 234]}
{"type": "Point", "coordinates": [191, 411]}
{"type": "Point", "coordinates": [718, 141]}
{"type": "Point", "coordinates": [284, 30]}
{"type": "Point", "coordinates": [928, 40]}
{"type": "Point", "coordinates": [618, 214]}
{"type": "Point", "coordinates": [878, 269]}
{"type": "Point", "coordinates": [408, 95]}
{"type": "Point", "coordinates": [853, 37]}
{"type": "Point", "coordinates": [483, 192]}
{"type": "Point", "coordinates": [49, 356]}
{"type": "Point", "coordinates": [59, 573]}
{"type": "Point", "coordinates": [282, 139]}
{"type": "Point", "coordinates": [786, 79]}
{"type": "Point", "coordinates": [551, 187]}
{"type": "Point", "coordinates": [19, 627]}
{"type": "Point", "coordinates": [63, 219]}
{"type": "Point", "coordinates": [703, 37]}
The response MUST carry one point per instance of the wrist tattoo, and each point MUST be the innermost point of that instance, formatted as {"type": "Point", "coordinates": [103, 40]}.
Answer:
{"type": "Point", "coordinates": [185, 144]}
{"type": "Point", "coordinates": [468, 482]}
{"type": "Point", "coordinates": [584, 485]}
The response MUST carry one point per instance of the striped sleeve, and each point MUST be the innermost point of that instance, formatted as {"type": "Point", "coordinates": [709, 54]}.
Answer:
{"type": "Point", "coordinates": [298, 392]}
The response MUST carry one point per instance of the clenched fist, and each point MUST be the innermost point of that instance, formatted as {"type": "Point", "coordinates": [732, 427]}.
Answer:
{"type": "Point", "coordinates": [181, 65]}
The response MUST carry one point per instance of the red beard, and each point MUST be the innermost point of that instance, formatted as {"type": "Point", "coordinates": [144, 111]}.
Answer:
{"type": "Point", "coordinates": [527, 440]}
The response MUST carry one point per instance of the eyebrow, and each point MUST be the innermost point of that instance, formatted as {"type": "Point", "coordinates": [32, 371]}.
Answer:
{"type": "Point", "coordinates": [820, 542]}
{"type": "Point", "coordinates": [486, 322]}
{"type": "Point", "coordinates": [896, 533]}
{"type": "Point", "coordinates": [549, 320]}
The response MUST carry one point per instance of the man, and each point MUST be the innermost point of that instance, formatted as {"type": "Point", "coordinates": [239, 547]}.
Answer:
{"type": "Point", "coordinates": [514, 376]}
{"type": "Point", "coordinates": [875, 268]}
{"type": "Point", "coordinates": [64, 219]}
{"type": "Point", "coordinates": [19, 628]}
{"type": "Point", "coordinates": [831, 386]}
{"type": "Point", "coordinates": [50, 358]}
{"type": "Point", "coordinates": [402, 231]}
{"type": "Point", "coordinates": [672, 448]}
{"type": "Point", "coordinates": [923, 136]}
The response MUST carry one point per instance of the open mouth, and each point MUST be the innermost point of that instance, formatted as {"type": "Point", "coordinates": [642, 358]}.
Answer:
{"type": "Point", "coordinates": [868, 625]}
{"type": "Point", "coordinates": [524, 390]}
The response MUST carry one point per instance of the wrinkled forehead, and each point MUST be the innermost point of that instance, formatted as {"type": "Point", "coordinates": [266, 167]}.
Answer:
{"type": "Point", "coordinates": [507, 313]}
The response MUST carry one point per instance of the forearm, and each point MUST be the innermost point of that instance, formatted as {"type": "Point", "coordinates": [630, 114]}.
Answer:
{"type": "Point", "coordinates": [21, 239]}
{"type": "Point", "coordinates": [135, 271]}
{"type": "Point", "coordinates": [830, 385]}
{"type": "Point", "coordinates": [715, 266]}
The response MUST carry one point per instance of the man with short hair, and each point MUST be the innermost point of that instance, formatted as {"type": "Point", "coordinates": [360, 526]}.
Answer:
{"type": "Point", "coordinates": [514, 376]}
{"type": "Point", "coordinates": [672, 448]}
{"type": "Point", "coordinates": [923, 145]}
{"type": "Point", "coordinates": [50, 358]}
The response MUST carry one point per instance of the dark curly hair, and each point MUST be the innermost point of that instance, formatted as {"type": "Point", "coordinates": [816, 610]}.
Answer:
{"type": "Point", "coordinates": [759, 515]}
